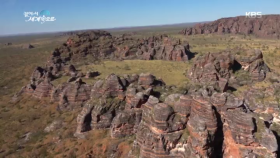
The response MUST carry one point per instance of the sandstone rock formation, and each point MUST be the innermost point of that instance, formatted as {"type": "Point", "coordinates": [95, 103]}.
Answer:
{"type": "Point", "coordinates": [101, 44]}
{"type": "Point", "coordinates": [57, 62]}
{"type": "Point", "coordinates": [115, 103]}
{"type": "Point", "coordinates": [267, 26]}
{"type": "Point", "coordinates": [221, 69]}
{"type": "Point", "coordinates": [44, 89]}
{"type": "Point", "coordinates": [163, 48]}
{"type": "Point", "coordinates": [252, 61]}
{"type": "Point", "coordinates": [205, 121]}
{"type": "Point", "coordinates": [264, 101]}
{"type": "Point", "coordinates": [216, 127]}
{"type": "Point", "coordinates": [213, 69]}
{"type": "Point", "coordinates": [71, 93]}
{"type": "Point", "coordinates": [202, 126]}
{"type": "Point", "coordinates": [126, 123]}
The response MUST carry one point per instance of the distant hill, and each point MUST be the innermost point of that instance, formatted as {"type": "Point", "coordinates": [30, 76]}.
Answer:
{"type": "Point", "coordinates": [267, 26]}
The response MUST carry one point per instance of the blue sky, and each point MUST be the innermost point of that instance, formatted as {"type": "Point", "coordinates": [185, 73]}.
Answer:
{"type": "Point", "coordinates": [96, 14]}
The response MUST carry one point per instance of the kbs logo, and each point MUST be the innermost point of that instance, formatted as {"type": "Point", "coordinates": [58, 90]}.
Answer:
{"type": "Point", "coordinates": [253, 14]}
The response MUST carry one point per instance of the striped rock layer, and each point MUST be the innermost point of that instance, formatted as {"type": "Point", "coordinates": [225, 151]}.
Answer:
{"type": "Point", "coordinates": [196, 126]}
{"type": "Point", "coordinates": [71, 93]}
{"type": "Point", "coordinates": [204, 123]}
{"type": "Point", "coordinates": [116, 103]}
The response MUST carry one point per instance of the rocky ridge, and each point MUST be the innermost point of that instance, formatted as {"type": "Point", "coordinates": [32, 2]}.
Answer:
{"type": "Point", "coordinates": [103, 45]}
{"type": "Point", "coordinates": [268, 26]}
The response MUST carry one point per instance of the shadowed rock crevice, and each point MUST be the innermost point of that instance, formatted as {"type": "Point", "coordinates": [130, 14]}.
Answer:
{"type": "Point", "coordinates": [219, 137]}
{"type": "Point", "coordinates": [236, 66]}
{"type": "Point", "coordinates": [87, 122]}
{"type": "Point", "coordinates": [255, 125]}
{"type": "Point", "coordinates": [191, 55]}
{"type": "Point", "coordinates": [278, 142]}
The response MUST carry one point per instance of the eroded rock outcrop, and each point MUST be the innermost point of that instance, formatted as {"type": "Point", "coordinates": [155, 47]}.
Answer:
{"type": "Point", "coordinates": [216, 125]}
{"type": "Point", "coordinates": [126, 123]}
{"type": "Point", "coordinates": [163, 48]}
{"type": "Point", "coordinates": [97, 45]}
{"type": "Point", "coordinates": [252, 62]}
{"type": "Point", "coordinates": [264, 100]}
{"type": "Point", "coordinates": [116, 103]}
{"type": "Point", "coordinates": [202, 123]}
{"type": "Point", "coordinates": [234, 66]}
{"type": "Point", "coordinates": [101, 44]}
{"type": "Point", "coordinates": [109, 88]}
{"type": "Point", "coordinates": [202, 126]}
{"type": "Point", "coordinates": [244, 137]}
{"type": "Point", "coordinates": [71, 93]}
{"type": "Point", "coordinates": [267, 26]}
{"type": "Point", "coordinates": [43, 90]}
{"type": "Point", "coordinates": [205, 121]}
{"type": "Point", "coordinates": [156, 134]}
{"type": "Point", "coordinates": [213, 69]}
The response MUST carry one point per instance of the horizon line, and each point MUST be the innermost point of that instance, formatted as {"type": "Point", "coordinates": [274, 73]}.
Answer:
{"type": "Point", "coordinates": [120, 27]}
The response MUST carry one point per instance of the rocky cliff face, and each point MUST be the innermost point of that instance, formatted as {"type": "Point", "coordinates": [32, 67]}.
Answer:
{"type": "Point", "coordinates": [268, 26]}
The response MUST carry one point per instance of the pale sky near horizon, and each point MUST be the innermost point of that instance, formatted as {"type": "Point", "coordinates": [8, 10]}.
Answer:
{"type": "Point", "coordinates": [98, 14]}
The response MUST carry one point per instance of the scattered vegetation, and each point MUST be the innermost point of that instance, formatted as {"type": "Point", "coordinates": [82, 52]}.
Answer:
{"type": "Point", "coordinates": [185, 135]}
{"type": "Point", "coordinates": [260, 129]}
{"type": "Point", "coordinates": [171, 72]}
{"type": "Point", "coordinates": [242, 75]}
